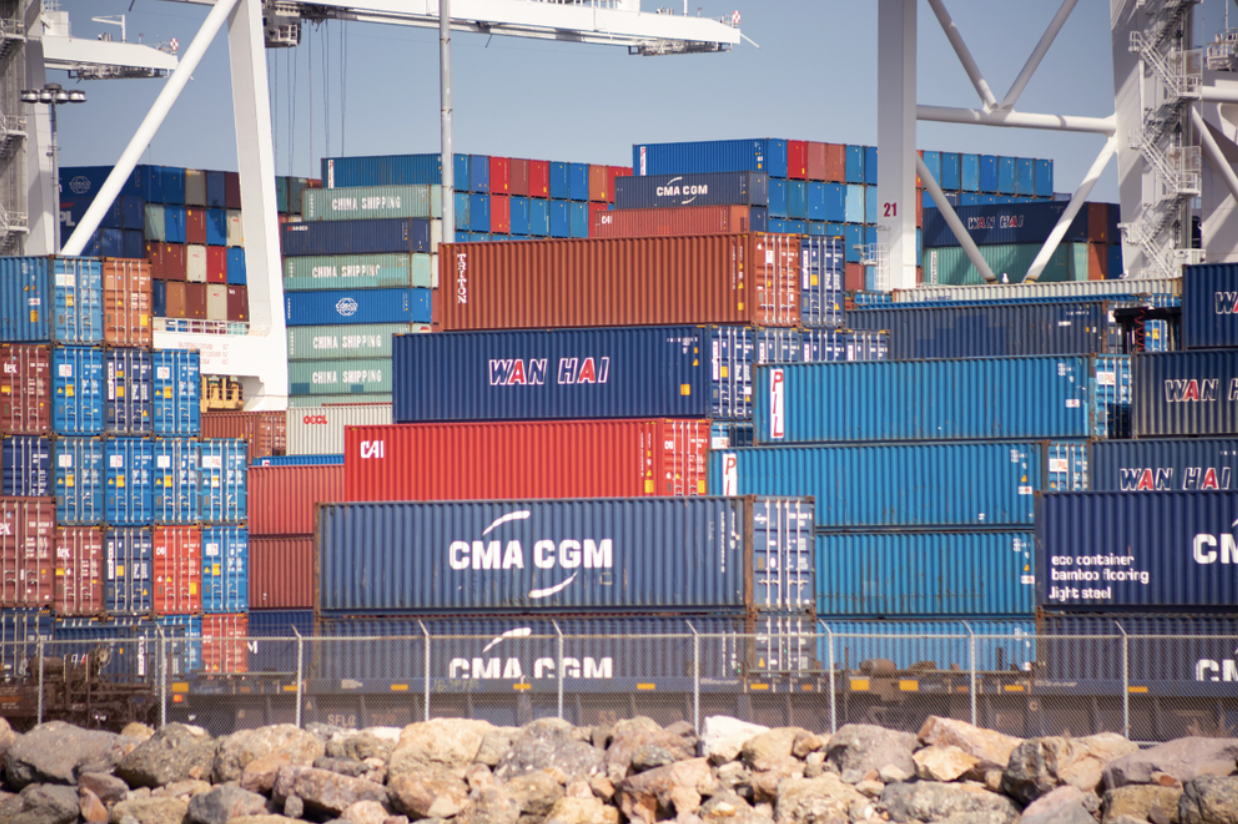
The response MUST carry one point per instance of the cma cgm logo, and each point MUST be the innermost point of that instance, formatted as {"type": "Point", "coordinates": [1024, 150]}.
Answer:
{"type": "Point", "coordinates": [688, 193]}
{"type": "Point", "coordinates": [373, 449]}
{"type": "Point", "coordinates": [565, 554]}
{"type": "Point", "coordinates": [532, 371]}
{"type": "Point", "coordinates": [1160, 478]}
{"type": "Point", "coordinates": [1207, 549]}
{"type": "Point", "coordinates": [1195, 390]}
{"type": "Point", "coordinates": [1207, 669]}
{"type": "Point", "coordinates": [499, 668]}
{"type": "Point", "coordinates": [347, 307]}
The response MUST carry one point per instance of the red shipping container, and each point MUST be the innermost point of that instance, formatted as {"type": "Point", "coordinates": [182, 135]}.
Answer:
{"type": "Point", "coordinates": [79, 571]}
{"type": "Point", "coordinates": [27, 535]}
{"type": "Point", "coordinates": [500, 214]}
{"type": "Point", "coordinates": [25, 389]}
{"type": "Point", "coordinates": [680, 220]}
{"type": "Point", "coordinates": [500, 176]}
{"type": "Point", "coordinates": [797, 159]}
{"type": "Point", "coordinates": [238, 303]}
{"type": "Point", "coordinates": [154, 258]}
{"type": "Point", "coordinates": [751, 278]}
{"type": "Point", "coordinates": [195, 225]}
{"type": "Point", "coordinates": [195, 301]}
{"type": "Point", "coordinates": [526, 459]}
{"type": "Point", "coordinates": [835, 163]}
{"type": "Point", "coordinates": [177, 570]}
{"type": "Point", "coordinates": [127, 302]}
{"type": "Point", "coordinates": [224, 643]}
{"type": "Point", "coordinates": [216, 264]}
{"type": "Point", "coordinates": [264, 431]}
{"type": "Point", "coordinates": [919, 209]}
{"type": "Point", "coordinates": [853, 277]}
{"type": "Point", "coordinates": [167, 260]}
{"type": "Point", "coordinates": [232, 190]}
{"type": "Point", "coordinates": [614, 172]}
{"type": "Point", "coordinates": [518, 177]}
{"type": "Point", "coordinates": [1098, 223]}
{"type": "Point", "coordinates": [599, 183]}
{"type": "Point", "coordinates": [816, 161]}
{"type": "Point", "coordinates": [1098, 261]}
{"type": "Point", "coordinates": [282, 498]}
{"type": "Point", "coordinates": [281, 571]}
{"type": "Point", "coordinates": [539, 178]}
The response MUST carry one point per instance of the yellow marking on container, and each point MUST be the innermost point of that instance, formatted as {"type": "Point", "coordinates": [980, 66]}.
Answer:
{"type": "Point", "coordinates": [909, 686]}
{"type": "Point", "coordinates": [806, 687]}
{"type": "Point", "coordinates": [180, 686]}
{"type": "Point", "coordinates": [289, 687]}
{"type": "Point", "coordinates": [859, 685]}
{"type": "Point", "coordinates": [646, 686]}
{"type": "Point", "coordinates": [399, 687]}
{"type": "Point", "coordinates": [1013, 687]}
{"type": "Point", "coordinates": [758, 686]}
{"type": "Point", "coordinates": [522, 686]}
{"type": "Point", "coordinates": [1137, 689]}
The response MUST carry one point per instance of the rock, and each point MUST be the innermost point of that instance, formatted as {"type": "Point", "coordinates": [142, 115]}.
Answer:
{"type": "Point", "coordinates": [366, 812]}
{"type": "Point", "coordinates": [1209, 799]}
{"type": "Point", "coordinates": [54, 751]}
{"type": "Point", "coordinates": [343, 766]}
{"type": "Point", "coordinates": [264, 819]}
{"type": "Point", "coordinates": [1143, 802]}
{"type": "Point", "coordinates": [628, 739]}
{"type": "Point", "coordinates": [478, 775]}
{"type": "Point", "coordinates": [548, 744]}
{"type": "Point", "coordinates": [108, 788]}
{"type": "Point", "coordinates": [871, 788]}
{"type": "Point", "coordinates": [220, 804]}
{"type": "Point", "coordinates": [938, 763]}
{"type": "Point", "coordinates": [181, 789]}
{"type": "Point", "coordinates": [1040, 764]}
{"type": "Point", "coordinates": [732, 774]}
{"type": "Point", "coordinates": [1181, 759]}
{"type": "Point", "coordinates": [985, 817]}
{"type": "Point", "coordinates": [765, 783]}
{"type": "Point", "coordinates": [723, 737]}
{"type": "Point", "coordinates": [92, 809]}
{"type": "Point", "coordinates": [536, 792]}
{"type": "Point", "coordinates": [682, 729]}
{"type": "Point", "coordinates": [325, 791]}
{"type": "Point", "coordinates": [649, 756]}
{"type": "Point", "coordinates": [1063, 805]}
{"type": "Point", "coordinates": [815, 800]}
{"type": "Point", "coordinates": [930, 801]}
{"type": "Point", "coordinates": [807, 743]}
{"type": "Point", "coordinates": [151, 811]}
{"type": "Point", "coordinates": [990, 748]}
{"type": "Point", "coordinates": [136, 730]}
{"type": "Point", "coordinates": [235, 751]}
{"type": "Point", "coordinates": [259, 774]}
{"type": "Point", "coordinates": [814, 764]}
{"type": "Point", "coordinates": [602, 787]}
{"type": "Point", "coordinates": [294, 807]}
{"type": "Point", "coordinates": [176, 752]}
{"type": "Point", "coordinates": [764, 749]}
{"type": "Point", "coordinates": [373, 742]}
{"type": "Point", "coordinates": [42, 804]}
{"type": "Point", "coordinates": [490, 805]}
{"type": "Point", "coordinates": [570, 810]}
{"type": "Point", "coordinates": [495, 743]}
{"type": "Point", "coordinates": [451, 743]}
{"type": "Point", "coordinates": [730, 808]}
{"type": "Point", "coordinates": [673, 787]}
{"type": "Point", "coordinates": [430, 792]}
{"type": "Point", "coordinates": [857, 749]}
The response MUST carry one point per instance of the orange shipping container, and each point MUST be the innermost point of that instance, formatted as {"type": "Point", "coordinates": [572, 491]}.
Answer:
{"type": "Point", "coordinates": [599, 183]}
{"type": "Point", "coordinates": [177, 570]}
{"type": "Point", "coordinates": [1098, 261]}
{"type": "Point", "coordinates": [281, 572]}
{"type": "Point", "coordinates": [1098, 223]}
{"type": "Point", "coordinates": [79, 571]}
{"type": "Point", "coordinates": [224, 648]}
{"type": "Point", "coordinates": [127, 302]}
{"type": "Point", "coordinates": [282, 498]}
{"type": "Point", "coordinates": [264, 431]}
{"type": "Point", "coordinates": [816, 161]}
{"type": "Point", "coordinates": [752, 279]}
{"type": "Point", "coordinates": [835, 163]}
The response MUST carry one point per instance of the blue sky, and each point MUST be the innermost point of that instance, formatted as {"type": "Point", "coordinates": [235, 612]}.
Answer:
{"type": "Point", "coordinates": [813, 77]}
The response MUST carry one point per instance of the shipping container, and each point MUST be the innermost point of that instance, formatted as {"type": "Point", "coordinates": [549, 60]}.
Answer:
{"type": "Point", "coordinates": [130, 644]}
{"type": "Point", "coordinates": [51, 300]}
{"type": "Point", "coordinates": [177, 389]}
{"type": "Point", "coordinates": [891, 485]}
{"type": "Point", "coordinates": [129, 481]}
{"type": "Point", "coordinates": [391, 170]}
{"type": "Point", "coordinates": [621, 282]}
{"type": "Point", "coordinates": [1135, 550]}
{"type": "Point", "coordinates": [357, 341]}
{"type": "Point", "coordinates": [195, 187]}
{"type": "Point", "coordinates": [1179, 394]}
{"type": "Point", "coordinates": [357, 306]}
{"type": "Point", "coordinates": [281, 572]}
{"type": "Point", "coordinates": [127, 399]}
{"type": "Point", "coordinates": [85, 181]}
{"type": "Point", "coordinates": [1164, 465]}
{"type": "Point", "coordinates": [129, 553]}
{"type": "Point", "coordinates": [1094, 289]}
{"type": "Point", "coordinates": [334, 377]}
{"type": "Point", "coordinates": [176, 570]}
{"type": "Point", "coordinates": [300, 460]}
{"type": "Point", "coordinates": [767, 155]}
{"type": "Point", "coordinates": [27, 466]}
{"type": "Point", "coordinates": [579, 459]}
{"type": "Point", "coordinates": [27, 561]}
{"type": "Point", "coordinates": [225, 569]}
{"type": "Point", "coordinates": [358, 272]}
{"type": "Point", "coordinates": [834, 345]}
{"type": "Point", "coordinates": [679, 190]}
{"type": "Point", "coordinates": [821, 281]}
{"type": "Point", "coordinates": [925, 574]}
{"type": "Point", "coordinates": [263, 431]}
{"type": "Point", "coordinates": [1209, 298]}
{"type": "Point", "coordinates": [25, 389]}
{"type": "Point", "coordinates": [195, 263]}
{"type": "Point", "coordinates": [700, 555]}
{"type": "Point", "coordinates": [320, 430]}
{"type": "Point", "coordinates": [224, 648]}
{"type": "Point", "coordinates": [237, 273]}
{"type": "Point", "coordinates": [372, 202]}
{"type": "Point", "coordinates": [78, 387]}
{"type": "Point", "coordinates": [79, 481]}
{"type": "Point", "coordinates": [948, 645]}
{"type": "Point", "coordinates": [950, 265]}
{"type": "Point", "coordinates": [182, 643]}
{"type": "Point", "coordinates": [79, 571]}
{"type": "Point", "coordinates": [167, 261]}
{"type": "Point", "coordinates": [20, 633]}
{"type": "Point", "coordinates": [176, 482]}
{"type": "Point", "coordinates": [283, 497]}
{"type": "Point", "coordinates": [127, 308]}
{"type": "Point", "coordinates": [356, 237]}
{"type": "Point", "coordinates": [238, 304]}
{"type": "Point", "coordinates": [195, 227]}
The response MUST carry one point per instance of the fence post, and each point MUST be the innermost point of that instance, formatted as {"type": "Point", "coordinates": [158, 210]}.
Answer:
{"type": "Point", "coordinates": [1126, 681]}
{"type": "Point", "coordinates": [696, 679]}
{"type": "Point", "coordinates": [559, 667]}
{"type": "Point", "coordinates": [971, 690]}
{"type": "Point", "coordinates": [39, 649]}
{"type": "Point", "coordinates": [833, 699]}
{"type": "Point", "coordinates": [162, 675]}
{"type": "Point", "coordinates": [426, 693]}
{"type": "Point", "coordinates": [300, 661]}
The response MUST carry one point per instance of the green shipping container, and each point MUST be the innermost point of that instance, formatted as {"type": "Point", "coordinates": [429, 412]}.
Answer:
{"type": "Point", "coordinates": [950, 266]}
{"type": "Point", "coordinates": [365, 202]}
{"type": "Point", "coordinates": [359, 271]}
{"type": "Point", "coordinates": [153, 223]}
{"type": "Point", "coordinates": [308, 401]}
{"type": "Point", "coordinates": [333, 377]}
{"type": "Point", "coordinates": [318, 343]}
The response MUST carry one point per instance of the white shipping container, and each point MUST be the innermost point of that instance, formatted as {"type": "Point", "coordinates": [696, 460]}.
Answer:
{"type": "Point", "coordinates": [216, 302]}
{"type": "Point", "coordinates": [236, 231]}
{"type": "Point", "coordinates": [320, 430]}
{"type": "Point", "coordinates": [195, 263]}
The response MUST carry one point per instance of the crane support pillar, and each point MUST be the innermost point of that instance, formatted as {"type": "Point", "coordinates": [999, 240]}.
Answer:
{"type": "Point", "coordinates": [896, 139]}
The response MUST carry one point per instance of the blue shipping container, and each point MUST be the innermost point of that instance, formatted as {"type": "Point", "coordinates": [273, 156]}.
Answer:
{"type": "Point", "coordinates": [578, 219]}
{"type": "Point", "coordinates": [77, 384]}
{"type": "Point", "coordinates": [778, 197]}
{"type": "Point", "coordinates": [268, 654]}
{"type": "Point", "coordinates": [1209, 301]}
{"type": "Point", "coordinates": [175, 497]}
{"type": "Point", "coordinates": [691, 555]}
{"type": "Point", "coordinates": [834, 345]}
{"type": "Point", "coordinates": [173, 181]}
{"type": "Point", "coordinates": [128, 472]}
{"type": "Point", "coordinates": [821, 281]}
{"type": "Point", "coordinates": [176, 386]}
{"type": "Point", "coordinates": [1164, 465]}
{"type": "Point", "coordinates": [797, 199]}
{"type": "Point", "coordinates": [174, 223]}
{"type": "Point", "coordinates": [216, 227]}
{"type": "Point", "coordinates": [893, 485]}
{"type": "Point", "coordinates": [236, 266]}
{"type": "Point", "coordinates": [85, 181]}
{"type": "Point", "coordinates": [27, 466]}
{"type": "Point", "coordinates": [1005, 223]}
{"type": "Point", "coordinates": [1044, 178]}
{"type": "Point", "coordinates": [223, 496]}
{"type": "Point", "coordinates": [182, 642]}
{"type": "Point", "coordinates": [225, 569]}
{"type": "Point", "coordinates": [949, 645]}
{"type": "Point", "coordinates": [1141, 550]}
{"type": "Point", "coordinates": [130, 553]}
{"type": "Point", "coordinates": [353, 306]}
{"type": "Point", "coordinates": [950, 179]}
{"type": "Point", "coordinates": [560, 222]}
{"type": "Point", "coordinates": [969, 172]}
{"type": "Point", "coordinates": [20, 632]}
{"type": "Point", "coordinates": [1006, 175]}
{"type": "Point", "coordinates": [578, 182]}
{"type": "Point", "coordinates": [479, 174]}
{"type": "Point", "coordinates": [1177, 394]}
{"type": "Point", "coordinates": [300, 460]}
{"type": "Point", "coordinates": [479, 212]}
{"type": "Point", "coordinates": [46, 300]}
{"type": "Point", "coordinates": [518, 215]}
{"type": "Point", "coordinates": [560, 181]}
{"type": "Point", "coordinates": [539, 217]}
{"type": "Point", "coordinates": [131, 645]}
{"type": "Point", "coordinates": [356, 237]}
{"type": "Point", "coordinates": [855, 204]}
{"type": "Point", "coordinates": [1025, 176]}
{"type": "Point", "coordinates": [754, 155]}
{"type": "Point", "coordinates": [215, 190]}
{"type": "Point", "coordinates": [718, 189]}
{"type": "Point", "coordinates": [854, 164]}
{"type": "Point", "coordinates": [79, 481]}
{"type": "Point", "coordinates": [127, 404]}
{"type": "Point", "coordinates": [390, 170]}
{"type": "Point", "coordinates": [988, 174]}
{"type": "Point", "coordinates": [870, 165]}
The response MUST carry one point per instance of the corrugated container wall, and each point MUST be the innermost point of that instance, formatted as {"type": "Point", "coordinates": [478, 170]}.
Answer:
{"type": "Point", "coordinates": [944, 485]}
{"type": "Point", "coordinates": [1203, 653]}
{"type": "Point", "coordinates": [1209, 301]}
{"type": "Point", "coordinates": [77, 382]}
{"type": "Point", "coordinates": [45, 300]}
{"type": "Point", "coordinates": [946, 645]}
{"type": "Point", "coordinates": [177, 392]}
{"type": "Point", "coordinates": [1164, 465]}
{"type": "Point", "coordinates": [356, 237]}
{"type": "Point", "coordinates": [343, 342]}
{"type": "Point", "coordinates": [128, 472]}
{"type": "Point", "coordinates": [175, 496]}
{"type": "Point", "coordinates": [26, 388]}
{"type": "Point", "coordinates": [320, 430]}
{"type": "Point", "coordinates": [79, 481]}
{"type": "Point", "coordinates": [717, 189]}
{"type": "Point", "coordinates": [79, 571]}
{"type": "Point", "coordinates": [282, 498]}
{"type": "Point", "coordinates": [281, 572]}
{"type": "Point", "coordinates": [1005, 223]}
{"type": "Point", "coordinates": [27, 466]}
{"type": "Point", "coordinates": [574, 459]}
{"type": "Point", "coordinates": [127, 303]}
{"type": "Point", "coordinates": [129, 552]}
{"type": "Point", "coordinates": [1184, 393]}
{"type": "Point", "coordinates": [225, 569]}
{"type": "Point", "coordinates": [686, 220]}
{"type": "Point", "coordinates": [223, 473]}
{"type": "Point", "coordinates": [1136, 550]}
{"type": "Point", "coordinates": [357, 307]}
{"type": "Point", "coordinates": [176, 570]}
{"type": "Point", "coordinates": [27, 559]}
{"type": "Point", "coordinates": [127, 375]}
{"type": "Point", "coordinates": [334, 377]}
{"type": "Point", "coordinates": [371, 202]}
{"type": "Point", "coordinates": [950, 265]}
{"type": "Point", "coordinates": [1095, 289]}
{"type": "Point", "coordinates": [625, 282]}
{"type": "Point", "coordinates": [758, 155]}
{"type": "Point", "coordinates": [695, 555]}
{"type": "Point", "coordinates": [263, 431]}
{"type": "Point", "coordinates": [391, 271]}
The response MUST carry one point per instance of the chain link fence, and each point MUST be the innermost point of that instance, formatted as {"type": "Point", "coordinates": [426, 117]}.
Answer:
{"type": "Point", "coordinates": [1150, 688]}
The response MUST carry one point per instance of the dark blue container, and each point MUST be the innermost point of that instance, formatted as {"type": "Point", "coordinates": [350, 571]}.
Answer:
{"type": "Point", "coordinates": [951, 171]}
{"type": "Point", "coordinates": [27, 466]}
{"type": "Point", "coordinates": [797, 199]}
{"type": "Point", "coordinates": [578, 181]}
{"type": "Point", "coordinates": [215, 196]}
{"type": "Point", "coordinates": [719, 189]}
{"type": "Point", "coordinates": [821, 281]}
{"type": "Point", "coordinates": [1210, 306]}
{"type": "Point", "coordinates": [870, 165]}
{"type": "Point", "coordinates": [182, 638]}
{"type": "Point", "coordinates": [1136, 550]}
{"type": "Point", "coordinates": [969, 172]}
{"type": "Point", "coordinates": [20, 632]}
{"type": "Point", "coordinates": [1006, 175]}
{"type": "Point", "coordinates": [988, 174]}
{"type": "Point", "coordinates": [479, 212]}
{"type": "Point", "coordinates": [539, 217]}
{"type": "Point", "coordinates": [131, 645]}
{"type": "Point", "coordinates": [854, 166]}
{"type": "Point", "coordinates": [1044, 178]}
{"type": "Point", "coordinates": [223, 494]}
{"type": "Point", "coordinates": [84, 182]}
{"type": "Point", "coordinates": [778, 226]}
{"type": "Point", "coordinates": [797, 227]}
{"type": "Point", "coordinates": [1185, 393]}
{"type": "Point", "coordinates": [835, 203]}
{"type": "Point", "coordinates": [225, 569]}
{"type": "Point", "coordinates": [134, 244]}
{"type": "Point", "coordinates": [778, 198]}
{"type": "Point", "coordinates": [129, 553]}
{"type": "Point", "coordinates": [174, 224]}
{"type": "Point", "coordinates": [560, 220]}
{"type": "Point", "coordinates": [462, 176]}
{"type": "Point", "coordinates": [216, 227]}
{"type": "Point", "coordinates": [236, 266]}
{"type": "Point", "coordinates": [79, 481]}
{"type": "Point", "coordinates": [128, 392]}
{"type": "Point", "coordinates": [816, 203]}
{"type": "Point", "coordinates": [271, 654]}
{"type": "Point", "coordinates": [754, 155]}
{"type": "Point", "coordinates": [695, 555]}
{"type": "Point", "coordinates": [1005, 223]}
{"type": "Point", "coordinates": [173, 179]}
{"type": "Point", "coordinates": [177, 392]}
{"type": "Point", "coordinates": [77, 386]}
{"type": "Point", "coordinates": [128, 472]}
{"type": "Point", "coordinates": [834, 345]}
{"type": "Point", "coordinates": [479, 174]}
{"type": "Point", "coordinates": [519, 216]}
{"type": "Point", "coordinates": [175, 496]}
{"type": "Point", "coordinates": [578, 219]}
{"type": "Point", "coordinates": [356, 237]}
{"type": "Point", "coordinates": [560, 181]}
{"type": "Point", "coordinates": [942, 644]}
{"type": "Point", "coordinates": [1116, 267]}
{"type": "Point", "coordinates": [1165, 465]}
